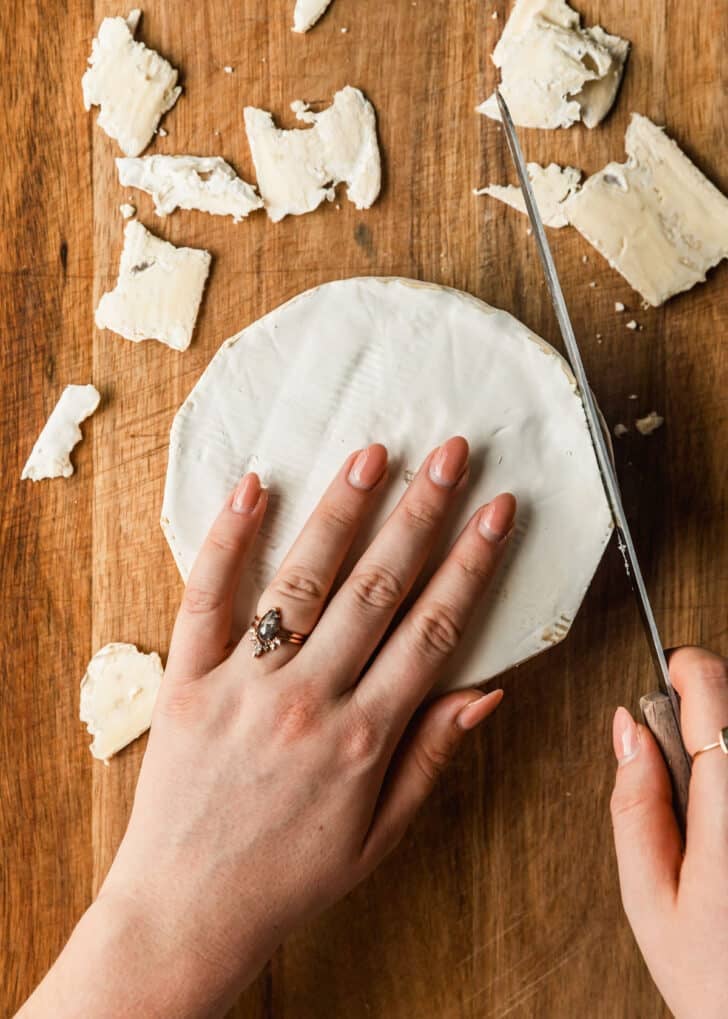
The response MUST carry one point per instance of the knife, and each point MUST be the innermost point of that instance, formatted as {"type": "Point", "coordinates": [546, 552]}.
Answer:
{"type": "Point", "coordinates": [661, 709]}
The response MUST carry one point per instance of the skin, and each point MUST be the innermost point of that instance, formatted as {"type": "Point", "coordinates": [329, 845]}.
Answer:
{"type": "Point", "coordinates": [676, 899]}
{"type": "Point", "coordinates": [271, 786]}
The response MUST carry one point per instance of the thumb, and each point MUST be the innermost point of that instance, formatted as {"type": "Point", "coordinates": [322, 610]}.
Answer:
{"type": "Point", "coordinates": [421, 758]}
{"type": "Point", "coordinates": [646, 835]}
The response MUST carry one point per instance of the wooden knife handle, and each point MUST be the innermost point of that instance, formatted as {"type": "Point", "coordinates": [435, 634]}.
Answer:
{"type": "Point", "coordinates": [660, 720]}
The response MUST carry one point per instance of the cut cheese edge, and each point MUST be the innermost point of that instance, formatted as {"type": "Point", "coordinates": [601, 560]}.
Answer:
{"type": "Point", "coordinates": [132, 85]}
{"type": "Point", "coordinates": [158, 291]}
{"type": "Point", "coordinates": [307, 12]}
{"type": "Point", "coordinates": [553, 72]}
{"type": "Point", "coordinates": [655, 218]}
{"type": "Point", "coordinates": [51, 454]}
{"type": "Point", "coordinates": [298, 169]}
{"type": "Point", "coordinates": [392, 360]}
{"type": "Point", "coordinates": [204, 183]}
{"type": "Point", "coordinates": [552, 185]}
{"type": "Point", "coordinates": [118, 693]}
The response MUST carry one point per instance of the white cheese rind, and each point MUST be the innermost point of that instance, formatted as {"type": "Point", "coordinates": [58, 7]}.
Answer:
{"type": "Point", "coordinates": [307, 12]}
{"type": "Point", "coordinates": [298, 169]}
{"type": "Point", "coordinates": [656, 219]}
{"type": "Point", "coordinates": [133, 85]}
{"type": "Point", "coordinates": [118, 693]}
{"type": "Point", "coordinates": [553, 72]}
{"type": "Point", "coordinates": [396, 361]}
{"type": "Point", "coordinates": [51, 454]}
{"type": "Point", "coordinates": [204, 183]}
{"type": "Point", "coordinates": [158, 291]}
{"type": "Point", "coordinates": [552, 185]}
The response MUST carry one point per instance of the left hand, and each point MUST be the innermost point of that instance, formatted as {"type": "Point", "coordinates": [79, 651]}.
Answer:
{"type": "Point", "coordinates": [271, 786]}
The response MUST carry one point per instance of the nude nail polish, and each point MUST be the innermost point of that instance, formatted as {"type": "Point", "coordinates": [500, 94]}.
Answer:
{"type": "Point", "coordinates": [625, 737]}
{"type": "Point", "coordinates": [478, 710]}
{"type": "Point", "coordinates": [449, 462]}
{"type": "Point", "coordinates": [496, 519]}
{"type": "Point", "coordinates": [246, 494]}
{"type": "Point", "coordinates": [368, 467]}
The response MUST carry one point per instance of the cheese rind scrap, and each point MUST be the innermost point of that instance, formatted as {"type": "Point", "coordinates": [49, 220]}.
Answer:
{"type": "Point", "coordinates": [298, 169]}
{"type": "Point", "coordinates": [656, 219]}
{"type": "Point", "coordinates": [553, 72]}
{"type": "Point", "coordinates": [51, 454]}
{"type": "Point", "coordinates": [395, 361]}
{"type": "Point", "coordinates": [118, 693]}
{"type": "Point", "coordinates": [158, 291]}
{"type": "Point", "coordinates": [307, 12]}
{"type": "Point", "coordinates": [205, 183]}
{"type": "Point", "coordinates": [133, 85]}
{"type": "Point", "coordinates": [552, 185]}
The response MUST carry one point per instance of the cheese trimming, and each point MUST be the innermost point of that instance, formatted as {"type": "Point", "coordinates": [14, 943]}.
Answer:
{"type": "Point", "coordinates": [307, 12]}
{"type": "Point", "coordinates": [51, 454]}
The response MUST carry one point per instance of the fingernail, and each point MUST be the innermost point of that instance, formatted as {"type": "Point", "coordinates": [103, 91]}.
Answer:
{"type": "Point", "coordinates": [625, 737]}
{"type": "Point", "coordinates": [246, 494]}
{"type": "Point", "coordinates": [478, 710]}
{"type": "Point", "coordinates": [368, 467]}
{"type": "Point", "coordinates": [449, 462]}
{"type": "Point", "coordinates": [496, 519]}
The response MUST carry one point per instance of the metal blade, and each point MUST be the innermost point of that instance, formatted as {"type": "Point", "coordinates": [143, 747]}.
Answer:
{"type": "Point", "coordinates": [609, 477]}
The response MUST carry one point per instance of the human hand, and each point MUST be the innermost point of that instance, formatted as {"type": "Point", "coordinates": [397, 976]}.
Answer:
{"type": "Point", "coordinates": [271, 786]}
{"type": "Point", "coordinates": [677, 905]}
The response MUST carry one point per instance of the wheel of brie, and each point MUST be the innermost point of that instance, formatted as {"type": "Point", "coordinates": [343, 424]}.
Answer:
{"type": "Point", "coordinates": [407, 364]}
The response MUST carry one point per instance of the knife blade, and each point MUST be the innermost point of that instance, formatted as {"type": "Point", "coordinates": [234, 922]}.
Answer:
{"type": "Point", "coordinates": [606, 468]}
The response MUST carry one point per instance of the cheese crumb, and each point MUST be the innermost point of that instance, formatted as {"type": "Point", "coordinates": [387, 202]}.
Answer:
{"type": "Point", "coordinates": [592, 284]}
{"type": "Point", "coordinates": [632, 325]}
{"type": "Point", "coordinates": [127, 210]}
{"type": "Point", "coordinates": [585, 259]}
{"type": "Point", "coordinates": [620, 430]}
{"type": "Point", "coordinates": [158, 292]}
{"type": "Point", "coordinates": [344, 31]}
{"type": "Point", "coordinates": [228, 69]}
{"type": "Point", "coordinates": [647, 425]}
{"type": "Point", "coordinates": [633, 396]}
{"type": "Point", "coordinates": [51, 454]}
{"type": "Point", "coordinates": [618, 306]}
{"type": "Point", "coordinates": [133, 86]}
{"type": "Point", "coordinates": [161, 132]}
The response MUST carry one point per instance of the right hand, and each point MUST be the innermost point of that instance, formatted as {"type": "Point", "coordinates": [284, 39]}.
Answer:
{"type": "Point", "coordinates": [677, 903]}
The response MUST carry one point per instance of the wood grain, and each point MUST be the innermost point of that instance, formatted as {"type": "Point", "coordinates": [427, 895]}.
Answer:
{"type": "Point", "coordinates": [503, 900]}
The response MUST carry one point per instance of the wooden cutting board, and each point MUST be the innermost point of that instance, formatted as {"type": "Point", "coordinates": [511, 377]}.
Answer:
{"type": "Point", "coordinates": [502, 900]}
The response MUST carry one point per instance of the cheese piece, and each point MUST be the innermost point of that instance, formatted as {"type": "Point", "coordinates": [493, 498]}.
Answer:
{"type": "Point", "coordinates": [133, 86]}
{"type": "Point", "coordinates": [158, 292]}
{"type": "Point", "coordinates": [552, 185]}
{"type": "Point", "coordinates": [307, 12]}
{"type": "Point", "coordinates": [118, 693]}
{"type": "Point", "coordinates": [553, 72]}
{"type": "Point", "coordinates": [300, 168]}
{"type": "Point", "coordinates": [205, 183]}
{"type": "Point", "coordinates": [656, 219]}
{"type": "Point", "coordinates": [407, 364]}
{"type": "Point", "coordinates": [650, 423]}
{"type": "Point", "coordinates": [51, 454]}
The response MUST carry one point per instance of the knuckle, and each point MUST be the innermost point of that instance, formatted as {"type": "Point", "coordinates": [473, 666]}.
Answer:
{"type": "Point", "coordinates": [431, 760]}
{"type": "Point", "coordinates": [200, 600]}
{"type": "Point", "coordinates": [436, 631]}
{"type": "Point", "coordinates": [631, 806]}
{"type": "Point", "coordinates": [222, 542]}
{"type": "Point", "coordinates": [377, 587]}
{"type": "Point", "coordinates": [420, 516]}
{"type": "Point", "coordinates": [298, 585]}
{"type": "Point", "coordinates": [363, 739]}
{"type": "Point", "coordinates": [297, 715]}
{"type": "Point", "coordinates": [473, 567]}
{"type": "Point", "coordinates": [336, 517]}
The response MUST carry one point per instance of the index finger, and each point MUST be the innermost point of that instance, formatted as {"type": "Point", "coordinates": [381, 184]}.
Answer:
{"type": "Point", "coordinates": [701, 679]}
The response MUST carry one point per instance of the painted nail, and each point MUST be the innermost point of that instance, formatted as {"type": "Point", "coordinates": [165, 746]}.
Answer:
{"type": "Point", "coordinates": [478, 710]}
{"type": "Point", "coordinates": [449, 462]}
{"type": "Point", "coordinates": [368, 467]}
{"type": "Point", "coordinates": [625, 737]}
{"type": "Point", "coordinates": [496, 519]}
{"type": "Point", "coordinates": [246, 494]}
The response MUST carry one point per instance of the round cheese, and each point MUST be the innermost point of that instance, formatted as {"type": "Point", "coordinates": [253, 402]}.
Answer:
{"type": "Point", "coordinates": [407, 364]}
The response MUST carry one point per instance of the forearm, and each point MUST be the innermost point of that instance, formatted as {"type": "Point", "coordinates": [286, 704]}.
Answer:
{"type": "Point", "coordinates": [117, 963]}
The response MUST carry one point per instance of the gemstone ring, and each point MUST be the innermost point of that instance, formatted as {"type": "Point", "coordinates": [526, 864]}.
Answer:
{"type": "Point", "coordinates": [266, 633]}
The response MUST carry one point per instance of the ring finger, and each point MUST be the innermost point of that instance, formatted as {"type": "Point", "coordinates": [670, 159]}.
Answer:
{"type": "Point", "coordinates": [305, 578]}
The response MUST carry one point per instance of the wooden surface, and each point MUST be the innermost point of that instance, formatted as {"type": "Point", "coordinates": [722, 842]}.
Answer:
{"type": "Point", "coordinates": [503, 900]}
